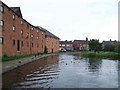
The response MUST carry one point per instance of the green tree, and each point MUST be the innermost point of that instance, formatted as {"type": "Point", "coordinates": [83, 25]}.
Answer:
{"type": "Point", "coordinates": [117, 48]}
{"type": "Point", "coordinates": [94, 45]}
{"type": "Point", "coordinates": [109, 47]}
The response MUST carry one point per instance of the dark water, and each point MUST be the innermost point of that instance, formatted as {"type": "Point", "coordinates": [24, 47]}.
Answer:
{"type": "Point", "coordinates": [64, 71]}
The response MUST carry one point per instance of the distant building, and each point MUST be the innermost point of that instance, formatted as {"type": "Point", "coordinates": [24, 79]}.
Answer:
{"type": "Point", "coordinates": [81, 45]}
{"type": "Point", "coordinates": [67, 45]}
{"type": "Point", "coordinates": [51, 41]}
{"type": "Point", "coordinates": [110, 42]}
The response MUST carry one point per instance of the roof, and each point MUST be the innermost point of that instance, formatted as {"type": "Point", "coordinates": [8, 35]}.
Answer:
{"type": "Point", "coordinates": [47, 33]}
{"type": "Point", "coordinates": [81, 41]}
{"type": "Point", "coordinates": [110, 42]}
{"type": "Point", "coordinates": [65, 42]}
{"type": "Point", "coordinates": [17, 11]}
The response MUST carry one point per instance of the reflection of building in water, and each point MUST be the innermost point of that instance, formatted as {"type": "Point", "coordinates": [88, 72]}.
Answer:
{"type": "Point", "coordinates": [35, 67]}
{"type": "Point", "coordinates": [94, 65]}
{"type": "Point", "coordinates": [52, 59]}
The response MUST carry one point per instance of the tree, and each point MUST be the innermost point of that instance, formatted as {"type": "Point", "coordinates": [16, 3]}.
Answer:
{"type": "Point", "coordinates": [94, 45]}
{"type": "Point", "coordinates": [117, 48]}
{"type": "Point", "coordinates": [109, 47]}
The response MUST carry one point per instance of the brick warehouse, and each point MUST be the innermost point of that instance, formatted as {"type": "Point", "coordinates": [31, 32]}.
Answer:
{"type": "Point", "coordinates": [19, 37]}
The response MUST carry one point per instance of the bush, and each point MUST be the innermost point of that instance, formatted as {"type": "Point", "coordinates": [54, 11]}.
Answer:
{"type": "Point", "coordinates": [105, 55]}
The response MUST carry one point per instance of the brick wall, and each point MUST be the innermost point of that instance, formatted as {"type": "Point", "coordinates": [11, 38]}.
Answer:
{"type": "Point", "coordinates": [52, 44]}
{"type": "Point", "coordinates": [25, 39]}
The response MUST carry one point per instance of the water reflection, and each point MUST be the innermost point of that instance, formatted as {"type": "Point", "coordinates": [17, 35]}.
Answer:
{"type": "Point", "coordinates": [64, 71]}
{"type": "Point", "coordinates": [30, 73]}
{"type": "Point", "coordinates": [94, 65]}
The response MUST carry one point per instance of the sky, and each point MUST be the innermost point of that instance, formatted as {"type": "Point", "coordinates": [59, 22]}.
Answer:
{"type": "Point", "coordinates": [72, 19]}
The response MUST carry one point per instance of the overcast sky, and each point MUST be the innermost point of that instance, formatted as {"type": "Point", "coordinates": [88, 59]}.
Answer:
{"type": "Point", "coordinates": [72, 19]}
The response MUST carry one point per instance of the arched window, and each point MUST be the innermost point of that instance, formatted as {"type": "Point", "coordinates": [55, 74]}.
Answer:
{"type": "Point", "coordinates": [1, 9]}
{"type": "Point", "coordinates": [13, 28]}
{"type": "Point", "coordinates": [1, 23]}
{"type": "Point", "coordinates": [13, 17]}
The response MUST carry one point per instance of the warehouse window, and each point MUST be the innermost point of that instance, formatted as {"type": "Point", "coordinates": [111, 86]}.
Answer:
{"type": "Point", "coordinates": [32, 44]}
{"type": "Point", "coordinates": [32, 28]}
{"type": "Point", "coordinates": [13, 28]}
{"type": "Point", "coordinates": [37, 30]}
{"type": "Point", "coordinates": [1, 23]}
{"type": "Point", "coordinates": [13, 17]}
{"type": "Point", "coordinates": [13, 42]}
{"type": "Point", "coordinates": [21, 22]}
{"type": "Point", "coordinates": [32, 36]}
{"type": "Point", "coordinates": [22, 43]}
{"type": "Point", "coordinates": [22, 33]}
{"type": "Point", "coordinates": [37, 37]}
{"type": "Point", "coordinates": [27, 34]}
{"type": "Point", "coordinates": [18, 45]}
{"type": "Point", "coordinates": [1, 9]}
{"type": "Point", "coordinates": [1, 40]}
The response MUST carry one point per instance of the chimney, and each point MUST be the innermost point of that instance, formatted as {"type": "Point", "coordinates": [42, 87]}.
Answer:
{"type": "Point", "coordinates": [86, 39]}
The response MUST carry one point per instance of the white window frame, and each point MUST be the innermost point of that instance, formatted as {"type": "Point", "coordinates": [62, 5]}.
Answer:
{"type": "Point", "coordinates": [13, 16]}
{"type": "Point", "coordinates": [13, 28]}
{"type": "Point", "coordinates": [1, 9]}
{"type": "Point", "coordinates": [21, 22]}
{"type": "Point", "coordinates": [1, 23]}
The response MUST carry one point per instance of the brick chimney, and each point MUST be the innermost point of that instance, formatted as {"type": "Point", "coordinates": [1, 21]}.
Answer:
{"type": "Point", "coordinates": [86, 38]}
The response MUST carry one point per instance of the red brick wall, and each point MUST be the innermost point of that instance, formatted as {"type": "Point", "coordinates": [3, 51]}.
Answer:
{"type": "Point", "coordinates": [9, 35]}
{"type": "Point", "coordinates": [38, 41]}
{"type": "Point", "coordinates": [76, 45]}
{"type": "Point", "coordinates": [52, 43]}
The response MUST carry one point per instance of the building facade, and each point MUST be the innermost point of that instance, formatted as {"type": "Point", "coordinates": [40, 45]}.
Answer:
{"type": "Point", "coordinates": [109, 43]}
{"type": "Point", "coordinates": [81, 45]}
{"type": "Point", "coordinates": [17, 36]}
{"type": "Point", "coordinates": [67, 45]}
{"type": "Point", "coordinates": [51, 41]}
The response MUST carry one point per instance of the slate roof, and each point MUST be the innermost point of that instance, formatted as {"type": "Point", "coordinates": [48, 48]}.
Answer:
{"type": "Point", "coordinates": [47, 33]}
{"type": "Point", "coordinates": [17, 11]}
{"type": "Point", "coordinates": [81, 41]}
{"type": "Point", "coordinates": [66, 42]}
{"type": "Point", "coordinates": [109, 42]}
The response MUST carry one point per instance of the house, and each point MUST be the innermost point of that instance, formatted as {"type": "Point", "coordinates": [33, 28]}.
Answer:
{"type": "Point", "coordinates": [81, 45]}
{"type": "Point", "coordinates": [66, 45]}
{"type": "Point", "coordinates": [51, 41]}
{"type": "Point", "coordinates": [18, 36]}
{"type": "Point", "coordinates": [110, 42]}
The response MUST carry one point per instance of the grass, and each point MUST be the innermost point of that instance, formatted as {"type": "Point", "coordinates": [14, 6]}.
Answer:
{"type": "Point", "coordinates": [102, 55]}
{"type": "Point", "coordinates": [87, 54]}
{"type": "Point", "coordinates": [9, 58]}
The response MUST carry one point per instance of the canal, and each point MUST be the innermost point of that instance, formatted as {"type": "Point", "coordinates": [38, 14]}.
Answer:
{"type": "Point", "coordinates": [64, 71]}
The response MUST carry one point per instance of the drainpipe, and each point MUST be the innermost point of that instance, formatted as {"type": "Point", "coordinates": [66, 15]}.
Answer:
{"type": "Point", "coordinates": [30, 40]}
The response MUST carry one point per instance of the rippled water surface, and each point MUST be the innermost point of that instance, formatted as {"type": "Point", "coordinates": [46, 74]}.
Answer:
{"type": "Point", "coordinates": [64, 71]}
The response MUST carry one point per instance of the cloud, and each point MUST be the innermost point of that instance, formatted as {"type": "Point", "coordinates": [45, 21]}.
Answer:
{"type": "Point", "coordinates": [72, 19]}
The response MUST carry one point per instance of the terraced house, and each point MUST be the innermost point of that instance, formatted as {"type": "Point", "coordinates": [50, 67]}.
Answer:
{"type": "Point", "coordinates": [18, 36]}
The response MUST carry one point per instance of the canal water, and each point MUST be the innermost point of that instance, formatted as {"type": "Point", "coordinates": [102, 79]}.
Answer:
{"type": "Point", "coordinates": [64, 71]}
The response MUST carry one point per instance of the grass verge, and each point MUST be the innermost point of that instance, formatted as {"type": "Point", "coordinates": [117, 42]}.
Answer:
{"type": "Point", "coordinates": [102, 55]}
{"type": "Point", "coordinates": [9, 58]}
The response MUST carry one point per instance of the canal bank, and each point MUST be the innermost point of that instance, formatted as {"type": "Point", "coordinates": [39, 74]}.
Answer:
{"type": "Point", "coordinates": [10, 65]}
{"type": "Point", "coordinates": [63, 71]}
